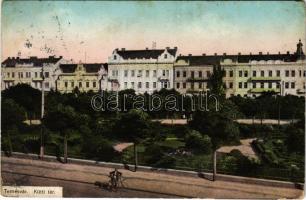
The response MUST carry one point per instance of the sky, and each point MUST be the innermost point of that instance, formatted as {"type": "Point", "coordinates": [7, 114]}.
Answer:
{"type": "Point", "coordinates": [88, 31]}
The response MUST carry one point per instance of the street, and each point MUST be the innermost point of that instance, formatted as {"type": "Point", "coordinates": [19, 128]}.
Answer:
{"type": "Point", "coordinates": [81, 181]}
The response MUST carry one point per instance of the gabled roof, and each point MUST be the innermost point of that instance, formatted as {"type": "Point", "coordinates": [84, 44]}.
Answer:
{"type": "Point", "coordinates": [216, 59]}
{"type": "Point", "coordinates": [37, 62]}
{"type": "Point", "coordinates": [68, 68]}
{"type": "Point", "coordinates": [146, 53]}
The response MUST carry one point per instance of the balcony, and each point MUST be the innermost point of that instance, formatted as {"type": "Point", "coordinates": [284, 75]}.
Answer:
{"type": "Point", "coordinates": [264, 79]}
{"type": "Point", "coordinates": [301, 91]}
{"type": "Point", "coordinates": [261, 90]}
{"type": "Point", "coordinates": [8, 79]}
{"type": "Point", "coordinates": [199, 79]}
{"type": "Point", "coordinates": [113, 79]}
{"type": "Point", "coordinates": [37, 79]}
{"type": "Point", "coordinates": [163, 79]}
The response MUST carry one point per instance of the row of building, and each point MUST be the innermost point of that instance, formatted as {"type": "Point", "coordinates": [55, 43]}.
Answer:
{"type": "Point", "coordinates": [149, 70]}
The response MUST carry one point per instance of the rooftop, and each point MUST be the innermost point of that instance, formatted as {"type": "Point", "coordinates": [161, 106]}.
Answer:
{"type": "Point", "coordinates": [37, 62]}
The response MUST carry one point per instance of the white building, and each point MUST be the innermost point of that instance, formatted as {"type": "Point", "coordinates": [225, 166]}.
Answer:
{"type": "Point", "coordinates": [30, 71]}
{"type": "Point", "coordinates": [142, 70]}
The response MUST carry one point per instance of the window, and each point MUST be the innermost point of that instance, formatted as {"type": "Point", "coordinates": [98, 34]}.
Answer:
{"type": "Point", "coordinates": [184, 73]}
{"type": "Point", "coordinates": [139, 73]}
{"type": "Point", "coordinates": [270, 85]}
{"type": "Point", "coordinates": [164, 72]}
{"type": "Point", "coordinates": [36, 84]}
{"type": "Point", "coordinates": [132, 73]}
{"type": "Point", "coordinates": [114, 73]}
{"type": "Point", "coordinates": [147, 84]}
{"type": "Point", "coordinates": [262, 73]}
{"type": "Point", "coordinates": [304, 74]}
{"type": "Point", "coordinates": [287, 73]}
{"type": "Point", "coordinates": [35, 74]}
{"type": "Point", "coordinates": [66, 84]}
{"type": "Point", "coordinates": [154, 84]}
{"type": "Point", "coordinates": [94, 84]}
{"type": "Point", "coordinates": [286, 85]}
{"type": "Point", "coordinates": [293, 73]}
{"type": "Point", "coordinates": [245, 73]}
{"type": "Point", "coordinates": [8, 74]}
{"type": "Point", "coordinates": [240, 84]}
{"type": "Point", "coordinates": [165, 56]}
{"type": "Point", "coordinates": [154, 73]}
{"type": "Point", "coordinates": [262, 85]}
{"type": "Point", "coordinates": [200, 73]}
{"type": "Point", "coordinates": [87, 84]}
{"type": "Point", "coordinates": [133, 85]}
{"type": "Point", "coordinates": [277, 73]}
{"type": "Point", "coordinates": [13, 74]}
{"type": "Point", "coordinates": [139, 84]}
{"type": "Point", "coordinates": [240, 73]}
{"type": "Point", "coordinates": [47, 85]}
{"type": "Point", "coordinates": [177, 85]}
{"type": "Point", "coordinates": [270, 73]}
{"type": "Point", "coordinates": [300, 73]}
{"type": "Point", "coordinates": [254, 73]}
{"type": "Point", "coordinates": [200, 85]}
{"type": "Point", "coordinates": [184, 85]}
{"type": "Point", "coordinates": [192, 85]}
{"type": "Point", "coordinates": [231, 85]}
{"type": "Point", "coordinates": [208, 73]}
{"type": "Point", "coordinates": [46, 74]}
{"type": "Point", "coordinates": [125, 85]}
{"type": "Point", "coordinates": [147, 73]}
{"type": "Point", "coordinates": [80, 84]}
{"type": "Point", "coordinates": [115, 57]}
{"type": "Point", "coordinates": [231, 74]}
{"type": "Point", "coordinates": [292, 85]}
{"type": "Point", "coordinates": [177, 73]}
{"type": "Point", "coordinates": [192, 74]}
{"type": "Point", "coordinates": [41, 74]}
{"type": "Point", "coordinates": [277, 85]}
{"type": "Point", "coordinates": [72, 84]}
{"type": "Point", "coordinates": [125, 73]}
{"type": "Point", "coordinates": [245, 85]}
{"type": "Point", "coordinates": [254, 85]}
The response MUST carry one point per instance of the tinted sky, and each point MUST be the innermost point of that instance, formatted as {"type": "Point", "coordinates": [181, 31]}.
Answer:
{"type": "Point", "coordinates": [71, 28]}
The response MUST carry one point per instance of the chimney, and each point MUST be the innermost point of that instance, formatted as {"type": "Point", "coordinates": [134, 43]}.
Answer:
{"type": "Point", "coordinates": [190, 54]}
{"type": "Point", "coordinates": [279, 53]}
{"type": "Point", "coordinates": [224, 54]}
{"type": "Point", "coordinates": [268, 53]}
{"type": "Point", "coordinates": [175, 48]}
{"type": "Point", "coordinates": [13, 58]}
{"type": "Point", "coordinates": [216, 54]}
{"type": "Point", "coordinates": [9, 58]}
{"type": "Point", "coordinates": [250, 53]}
{"type": "Point", "coordinates": [260, 53]}
{"type": "Point", "coordinates": [17, 58]}
{"type": "Point", "coordinates": [239, 53]}
{"type": "Point", "coordinates": [180, 54]}
{"type": "Point", "coordinates": [122, 49]}
{"type": "Point", "coordinates": [204, 54]}
{"type": "Point", "coordinates": [167, 48]}
{"type": "Point", "coordinates": [147, 48]}
{"type": "Point", "coordinates": [288, 52]}
{"type": "Point", "coordinates": [61, 57]}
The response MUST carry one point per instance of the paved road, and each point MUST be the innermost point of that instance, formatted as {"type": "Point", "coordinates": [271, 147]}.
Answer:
{"type": "Point", "coordinates": [77, 189]}
{"type": "Point", "coordinates": [79, 180]}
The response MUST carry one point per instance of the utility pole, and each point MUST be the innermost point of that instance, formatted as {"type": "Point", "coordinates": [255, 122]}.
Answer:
{"type": "Point", "coordinates": [42, 149]}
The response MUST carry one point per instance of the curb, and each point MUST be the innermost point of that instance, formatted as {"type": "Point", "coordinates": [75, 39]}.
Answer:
{"type": "Point", "coordinates": [221, 177]}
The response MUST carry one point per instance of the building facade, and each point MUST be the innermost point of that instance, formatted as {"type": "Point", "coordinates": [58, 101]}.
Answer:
{"type": "Point", "coordinates": [85, 77]}
{"type": "Point", "coordinates": [31, 71]}
{"type": "Point", "coordinates": [146, 70]}
{"type": "Point", "coordinates": [245, 75]}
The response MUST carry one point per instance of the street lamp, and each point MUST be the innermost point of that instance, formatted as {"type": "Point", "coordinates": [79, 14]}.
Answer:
{"type": "Point", "coordinates": [42, 113]}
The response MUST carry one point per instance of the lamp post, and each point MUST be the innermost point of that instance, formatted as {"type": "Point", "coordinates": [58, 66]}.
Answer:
{"type": "Point", "coordinates": [42, 149]}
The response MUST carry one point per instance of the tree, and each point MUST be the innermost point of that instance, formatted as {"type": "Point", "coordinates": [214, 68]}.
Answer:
{"type": "Point", "coordinates": [132, 126]}
{"type": "Point", "coordinates": [63, 120]}
{"type": "Point", "coordinates": [25, 96]}
{"type": "Point", "coordinates": [197, 142]}
{"type": "Point", "coordinates": [12, 115]}
{"type": "Point", "coordinates": [215, 83]}
{"type": "Point", "coordinates": [219, 128]}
